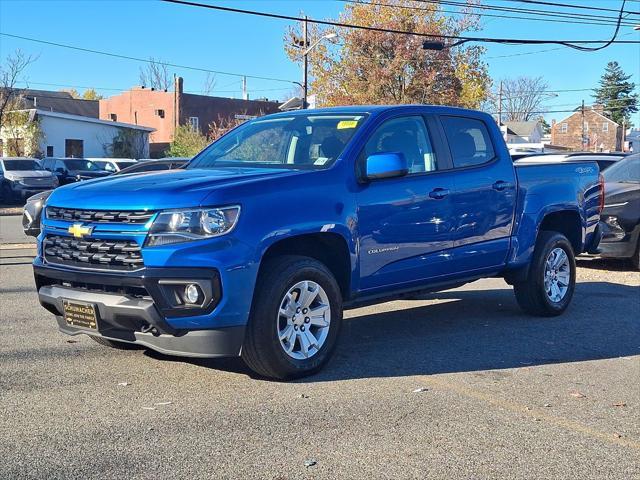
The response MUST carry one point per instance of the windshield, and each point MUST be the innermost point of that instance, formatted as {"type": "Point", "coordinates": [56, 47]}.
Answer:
{"type": "Point", "coordinates": [79, 164]}
{"type": "Point", "coordinates": [311, 141]}
{"type": "Point", "coordinates": [24, 165]}
{"type": "Point", "coordinates": [626, 170]}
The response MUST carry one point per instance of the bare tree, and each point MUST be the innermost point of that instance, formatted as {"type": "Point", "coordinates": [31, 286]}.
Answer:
{"type": "Point", "coordinates": [209, 84]}
{"type": "Point", "coordinates": [10, 71]}
{"type": "Point", "coordinates": [522, 98]}
{"type": "Point", "coordinates": [155, 74]}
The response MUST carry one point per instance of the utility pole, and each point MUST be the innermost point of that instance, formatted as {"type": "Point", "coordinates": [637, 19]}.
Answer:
{"type": "Point", "coordinates": [624, 131]}
{"type": "Point", "coordinates": [245, 95]}
{"type": "Point", "coordinates": [500, 105]}
{"type": "Point", "coordinates": [583, 139]}
{"type": "Point", "coordinates": [305, 62]}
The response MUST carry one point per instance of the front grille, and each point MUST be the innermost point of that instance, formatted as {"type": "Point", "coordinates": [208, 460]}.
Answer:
{"type": "Point", "coordinates": [99, 216]}
{"type": "Point", "coordinates": [37, 181]}
{"type": "Point", "coordinates": [92, 253]}
{"type": "Point", "coordinates": [132, 291]}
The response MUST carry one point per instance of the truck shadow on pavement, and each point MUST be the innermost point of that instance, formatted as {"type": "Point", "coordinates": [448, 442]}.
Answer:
{"type": "Point", "coordinates": [474, 330]}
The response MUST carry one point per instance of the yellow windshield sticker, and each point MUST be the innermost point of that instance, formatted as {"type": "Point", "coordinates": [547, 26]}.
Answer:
{"type": "Point", "coordinates": [342, 124]}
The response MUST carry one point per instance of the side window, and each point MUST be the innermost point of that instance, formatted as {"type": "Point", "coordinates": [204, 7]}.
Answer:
{"type": "Point", "coordinates": [406, 135]}
{"type": "Point", "coordinates": [469, 141]}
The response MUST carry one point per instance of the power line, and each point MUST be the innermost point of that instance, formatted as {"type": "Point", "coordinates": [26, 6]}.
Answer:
{"type": "Point", "coordinates": [569, 5]}
{"type": "Point", "coordinates": [113, 89]}
{"type": "Point", "coordinates": [137, 59]}
{"type": "Point", "coordinates": [515, 17]}
{"type": "Point", "coordinates": [526, 11]}
{"type": "Point", "coordinates": [513, 41]}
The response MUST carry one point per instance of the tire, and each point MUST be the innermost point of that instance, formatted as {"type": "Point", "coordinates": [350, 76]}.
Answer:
{"type": "Point", "coordinates": [276, 292]}
{"type": "Point", "coordinates": [532, 295]}
{"type": "Point", "coordinates": [114, 344]}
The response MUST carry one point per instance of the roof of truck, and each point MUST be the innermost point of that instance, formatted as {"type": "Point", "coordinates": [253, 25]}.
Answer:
{"type": "Point", "coordinates": [355, 109]}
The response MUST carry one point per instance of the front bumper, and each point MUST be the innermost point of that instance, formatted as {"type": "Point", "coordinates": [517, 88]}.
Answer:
{"type": "Point", "coordinates": [138, 308]}
{"type": "Point", "coordinates": [26, 191]}
{"type": "Point", "coordinates": [618, 243]}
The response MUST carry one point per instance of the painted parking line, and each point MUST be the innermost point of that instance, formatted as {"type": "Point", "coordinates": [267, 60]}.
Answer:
{"type": "Point", "coordinates": [532, 412]}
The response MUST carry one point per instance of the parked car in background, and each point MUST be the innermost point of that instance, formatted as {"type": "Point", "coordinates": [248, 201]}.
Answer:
{"type": "Point", "coordinates": [32, 211]}
{"type": "Point", "coordinates": [604, 160]}
{"type": "Point", "coordinates": [621, 214]}
{"type": "Point", "coordinates": [113, 165]}
{"type": "Point", "coordinates": [156, 165]}
{"type": "Point", "coordinates": [70, 170]}
{"type": "Point", "coordinates": [22, 177]}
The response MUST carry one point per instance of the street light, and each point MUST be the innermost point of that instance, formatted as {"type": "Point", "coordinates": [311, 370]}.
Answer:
{"type": "Point", "coordinates": [305, 63]}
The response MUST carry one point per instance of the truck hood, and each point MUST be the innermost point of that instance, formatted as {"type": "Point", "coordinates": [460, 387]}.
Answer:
{"type": "Point", "coordinates": [158, 190]}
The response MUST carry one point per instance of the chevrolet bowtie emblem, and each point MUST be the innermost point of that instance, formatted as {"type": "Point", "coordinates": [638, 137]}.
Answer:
{"type": "Point", "coordinates": [78, 230]}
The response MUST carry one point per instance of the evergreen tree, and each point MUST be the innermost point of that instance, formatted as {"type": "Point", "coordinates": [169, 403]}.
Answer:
{"type": "Point", "coordinates": [616, 93]}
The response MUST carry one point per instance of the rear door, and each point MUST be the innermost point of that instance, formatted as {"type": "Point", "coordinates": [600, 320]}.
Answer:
{"type": "Point", "coordinates": [484, 196]}
{"type": "Point", "coordinates": [405, 222]}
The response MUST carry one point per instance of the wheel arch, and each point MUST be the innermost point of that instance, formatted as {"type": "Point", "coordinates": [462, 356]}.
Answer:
{"type": "Point", "coordinates": [330, 248]}
{"type": "Point", "coordinates": [566, 221]}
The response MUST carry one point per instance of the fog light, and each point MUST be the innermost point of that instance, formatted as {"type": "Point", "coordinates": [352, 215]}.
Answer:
{"type": "Point", "coordinates": [192, 293]}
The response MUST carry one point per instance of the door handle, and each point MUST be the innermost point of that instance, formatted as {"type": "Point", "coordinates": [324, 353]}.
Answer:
{"type": "Point", "coordinates": [502, 185]}
{"type": "Point", "coordinates": [439, 193]}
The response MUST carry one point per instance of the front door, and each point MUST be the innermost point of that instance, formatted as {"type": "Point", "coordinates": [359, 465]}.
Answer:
{"type": "Point", "coordinates": [405, 222]}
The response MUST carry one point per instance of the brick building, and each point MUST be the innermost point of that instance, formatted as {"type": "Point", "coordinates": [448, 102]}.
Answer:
{"type": "Point", "coordinates": [164, 110]}
{"type": "Point", "coordinates": [601, 133]}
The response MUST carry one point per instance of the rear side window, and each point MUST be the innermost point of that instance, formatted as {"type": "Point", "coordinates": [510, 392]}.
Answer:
{"type": "Point", "coordinates": [469, 141]}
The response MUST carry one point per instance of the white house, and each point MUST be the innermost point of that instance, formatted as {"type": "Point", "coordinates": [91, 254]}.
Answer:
{"type": "Point", "coordinates": [522, 132]}
{"type": "Point", "coordinates": [66, 135]}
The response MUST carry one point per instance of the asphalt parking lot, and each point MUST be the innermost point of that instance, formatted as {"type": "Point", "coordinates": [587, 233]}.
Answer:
{"type": "Point", "coordinates": [500, 394]}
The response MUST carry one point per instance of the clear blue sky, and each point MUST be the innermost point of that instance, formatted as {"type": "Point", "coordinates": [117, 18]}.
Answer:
{"type": "Point", "coordinates": [254, 46]}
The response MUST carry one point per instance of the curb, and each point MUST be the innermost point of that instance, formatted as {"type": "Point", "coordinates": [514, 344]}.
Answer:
{"type": "Point", "coordinates": [6, 212]}
{"type": "Point", "coordinates": [17, 246]}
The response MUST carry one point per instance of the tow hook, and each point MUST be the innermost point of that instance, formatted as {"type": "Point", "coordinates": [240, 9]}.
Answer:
{"type": "Point", "coordinates": [148, 328]}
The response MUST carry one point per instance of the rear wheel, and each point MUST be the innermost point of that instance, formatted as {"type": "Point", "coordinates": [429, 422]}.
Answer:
{"type": "Point", "coordinates": [550, 283]}
{"type": "Point", "coordinates": [114, 344]}
{"type": "Point", "coordinates": [295, 318]}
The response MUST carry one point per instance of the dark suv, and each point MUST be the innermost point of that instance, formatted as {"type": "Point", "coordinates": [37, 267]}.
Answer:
{"type": "Point", "coordinates": [69, 170]}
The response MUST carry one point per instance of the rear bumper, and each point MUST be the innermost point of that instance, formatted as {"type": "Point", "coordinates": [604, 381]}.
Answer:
{"type": "Point", "coordinates": [596, 239]}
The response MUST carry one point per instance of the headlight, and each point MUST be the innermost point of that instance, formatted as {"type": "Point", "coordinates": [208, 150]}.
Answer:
{"type": "Point", "coordinates": [177, 226]}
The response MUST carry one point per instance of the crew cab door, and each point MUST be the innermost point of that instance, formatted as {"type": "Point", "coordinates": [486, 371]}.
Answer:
{"type": "Point", "coordinates": [484, 195]}
{"type": "Point", "coordinates": [404, 223]}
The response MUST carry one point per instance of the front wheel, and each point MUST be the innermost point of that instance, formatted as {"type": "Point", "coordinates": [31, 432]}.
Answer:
{"type": "Point", "coordinates": [295, 318]}
{"type": "Point", "coordinates": [551, 281]}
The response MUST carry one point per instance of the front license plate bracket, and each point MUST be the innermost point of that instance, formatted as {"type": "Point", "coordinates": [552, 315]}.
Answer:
{"type": "Point", "coordinates": [80, 314]}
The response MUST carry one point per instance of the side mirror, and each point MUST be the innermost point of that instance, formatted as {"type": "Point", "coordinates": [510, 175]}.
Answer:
{"type": "Point", "coordinates": [60, 170]}
{"type": "Point", "coordinates": [386, 165]}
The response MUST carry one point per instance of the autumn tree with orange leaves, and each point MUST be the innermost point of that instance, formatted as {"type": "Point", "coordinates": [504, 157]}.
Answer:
{"type": "Point", "coordinates": [369, 67]}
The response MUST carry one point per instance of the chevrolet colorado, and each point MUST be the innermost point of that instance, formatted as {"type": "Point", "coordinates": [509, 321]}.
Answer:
{"type": "Point", "coordinates": [269, 233]}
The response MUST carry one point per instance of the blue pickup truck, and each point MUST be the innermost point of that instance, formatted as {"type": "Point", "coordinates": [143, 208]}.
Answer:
{"type": "Point", "coordinates": [255, 248]}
